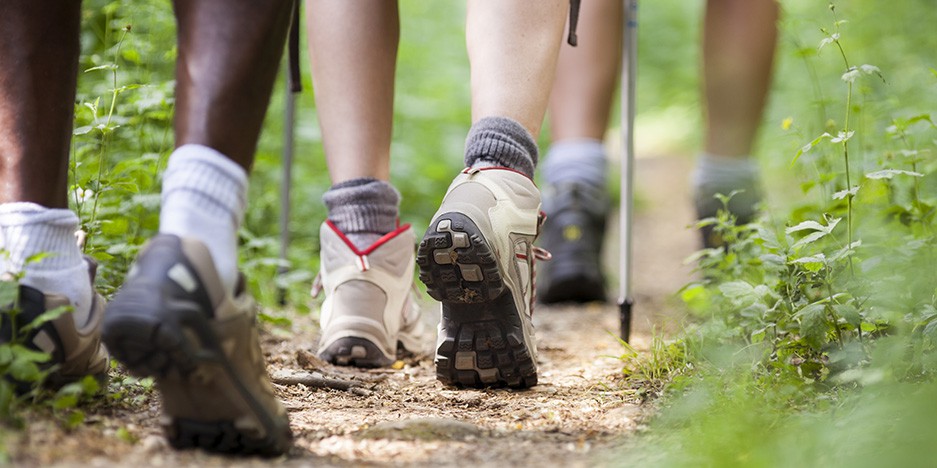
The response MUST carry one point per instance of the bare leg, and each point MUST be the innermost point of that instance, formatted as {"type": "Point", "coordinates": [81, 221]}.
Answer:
{"type": "Point", "coordinates": [477, 254]}
{"type": "Point", "coordinates": [738, 52]}
{"type": "Point", "coordinates": [353, 50]}
{"type": "Point", "coordinates": [512, 48]}
{"type": "Point", "coordinates": [39, 53]}
{"type": "Point", "coordinates": [586, 75]}
{"type": "Point", "coordinates": [228, 56]}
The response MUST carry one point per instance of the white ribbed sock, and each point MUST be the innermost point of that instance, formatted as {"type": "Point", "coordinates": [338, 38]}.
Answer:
{"type": "Point", "coordinates": [28, 230]}
{"type": "Point", "coordinates": [204, 196]}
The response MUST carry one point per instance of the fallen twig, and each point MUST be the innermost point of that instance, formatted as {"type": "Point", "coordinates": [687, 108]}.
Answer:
{"type": "Point", "coordinates": [317, 380]}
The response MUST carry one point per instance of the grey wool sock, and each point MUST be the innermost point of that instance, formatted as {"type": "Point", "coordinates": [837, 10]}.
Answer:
{"type": "Point", "coordinates": [363, 209]}
{"type": "Point", "coordinates": [500, 141]}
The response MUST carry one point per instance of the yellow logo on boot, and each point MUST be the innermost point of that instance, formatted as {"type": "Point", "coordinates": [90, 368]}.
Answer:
{"type": "Point", "coordinates": [572, 233]}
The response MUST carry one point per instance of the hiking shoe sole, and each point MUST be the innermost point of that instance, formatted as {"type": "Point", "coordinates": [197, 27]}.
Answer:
{"type": "Point", "coordinates": [209, 401]}
{"type": "Point", "coordinates": [575, 288]}
{"type": "Point", "coordinates": [180, 350]}
{"type": "Point", "coordinates": [481, 339]}
{"type": "Point", "coordinates": [354, 351]}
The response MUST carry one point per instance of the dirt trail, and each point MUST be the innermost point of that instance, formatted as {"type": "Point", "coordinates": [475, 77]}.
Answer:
{"type": "Point", "coordinates": [578, 411]}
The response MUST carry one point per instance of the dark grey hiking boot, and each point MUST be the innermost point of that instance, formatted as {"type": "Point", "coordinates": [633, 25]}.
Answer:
{"type": "Point", "coordinates": [173, 320]}
{"type": "Point", "coordinates": [76, 349]}
{"type": "Point", "coordinates": [742, 205]}
{"type": "Point", "coordinates": [573, 233]}
{"type": "Point", "coordinates": [477, 259]}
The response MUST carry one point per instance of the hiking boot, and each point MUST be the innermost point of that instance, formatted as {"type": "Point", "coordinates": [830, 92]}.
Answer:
{"type": "Point", "coordinates": [741, 205]}
{"type": "Point", "coordinates": [573, 233]}
{"type": "Point", "coordinates": [368, 314]}
{"type": "Point", "coordinates": [76, 349]}
{"type": "Point", "coordinates": [174, 321]}
{"type": "Point", "coordinates": [477, 259]}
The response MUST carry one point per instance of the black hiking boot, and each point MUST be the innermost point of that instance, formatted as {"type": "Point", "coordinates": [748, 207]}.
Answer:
{"type": "Point", "coordinates": [573, 233]}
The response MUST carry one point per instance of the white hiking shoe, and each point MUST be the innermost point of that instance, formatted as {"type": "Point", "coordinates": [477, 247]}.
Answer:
{"type": "Point", "coordinates": [477, 259]}
{"type": "Point", "coordinates": [368, 307]}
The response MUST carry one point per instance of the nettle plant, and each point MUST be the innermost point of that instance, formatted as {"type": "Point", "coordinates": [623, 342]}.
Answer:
{"type": "Point", "coordinates": [856, 265]}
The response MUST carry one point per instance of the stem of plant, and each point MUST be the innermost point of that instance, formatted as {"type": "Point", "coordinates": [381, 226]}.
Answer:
{"type": "Point", "coordinates": [834, 318]}
{"type": "Point", "coordinates": [105, 134]}
{"type": "Point", "coordinates": [849, 195]}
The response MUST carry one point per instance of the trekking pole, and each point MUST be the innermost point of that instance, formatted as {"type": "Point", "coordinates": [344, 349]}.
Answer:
{"type": "Point", "coordinates": [293, 86]}
{"type": "Point", "coordinates": [289, 120]}
{"type": "Point", "coordinates": [628, 75]}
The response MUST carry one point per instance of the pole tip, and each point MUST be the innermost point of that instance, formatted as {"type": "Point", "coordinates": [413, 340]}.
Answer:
{"type": "Point", "coordinates": [624, 315]}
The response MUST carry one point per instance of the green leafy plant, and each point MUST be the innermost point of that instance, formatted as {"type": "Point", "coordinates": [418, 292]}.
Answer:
{"type": "Point", "coordinates": [24, 370]}
{"type": "Point", "coordinates": [816, 325]}
{"type": "Point", "coordinates": [650, 371]}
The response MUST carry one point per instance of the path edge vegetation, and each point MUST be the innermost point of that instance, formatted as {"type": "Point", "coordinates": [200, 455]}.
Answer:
{"type": "Point", "coordinates": [811, 338]}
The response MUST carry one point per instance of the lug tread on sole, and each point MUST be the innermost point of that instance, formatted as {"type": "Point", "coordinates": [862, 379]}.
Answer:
{"type": "Point", "coordinates": [486, 351]}
{"type": "Point", "coordinates": [354, 351]}
{"type": "Point", "coordinates": [150, 346]}
{"type": "Point", "coordinates": [483, 344]}
{"type": "Point", "coordinates": [456, 263]}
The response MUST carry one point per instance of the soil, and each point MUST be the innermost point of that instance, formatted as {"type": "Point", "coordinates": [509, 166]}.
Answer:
{"type": "Point", "coordinates": [579, 414]}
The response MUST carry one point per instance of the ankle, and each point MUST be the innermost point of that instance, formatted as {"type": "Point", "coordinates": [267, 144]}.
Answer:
{"type": "Point", "coordinates": [204, 197]}
{"type": "Point", "coordinates": [500, 141]}
{"type": "Point", "coordinates": [42, 251]}
{"type": "Point", "coordinates": [363, 209]}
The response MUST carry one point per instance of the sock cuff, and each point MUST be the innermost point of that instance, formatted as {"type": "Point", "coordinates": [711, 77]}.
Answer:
{"type": "Point", "coordinates": [590, 146]}
{"type": "Point", "coordinates": [216, 183]}
{"type": "Point", "coordinates": [363, 205]}
{"type": "Point", "coordinates": [209, 156]}
{"type": "Point", "coordinates": [30, 229]}
{"type": "Point", "coordinates": [576, 160]}
{"type": "Point", "coordinates": [26, 213]}
{"type": "Point", "coordinates": [502, 141]}
{"type": "Point", "coordinates": [726, 167]}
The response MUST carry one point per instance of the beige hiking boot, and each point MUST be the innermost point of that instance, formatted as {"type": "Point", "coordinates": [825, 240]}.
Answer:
{"type": "Point", "coordinates": [368, 314]}
{"type": "Point", "coordinates": [174, 321]}
{"type": "Point", "coordinates": [477, 259]}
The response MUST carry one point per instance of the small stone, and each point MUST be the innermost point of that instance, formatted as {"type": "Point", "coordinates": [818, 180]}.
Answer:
{"type": "Point", "coordinates": [152, 444]}
{"type": "Point", "coordinates": [422, 429]}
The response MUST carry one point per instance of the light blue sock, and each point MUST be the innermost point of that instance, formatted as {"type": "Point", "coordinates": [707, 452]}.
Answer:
{"type": "Point", "coordinates": [576, 161]}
